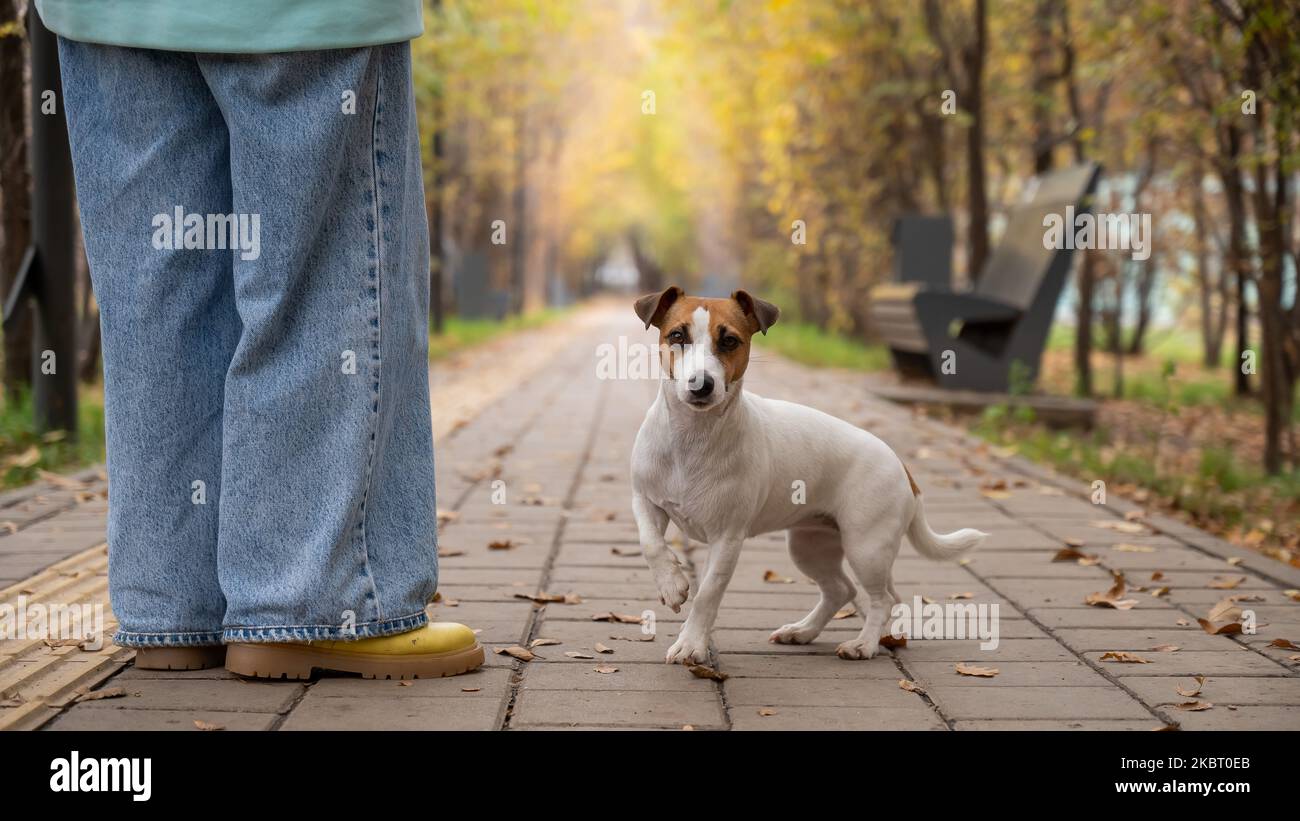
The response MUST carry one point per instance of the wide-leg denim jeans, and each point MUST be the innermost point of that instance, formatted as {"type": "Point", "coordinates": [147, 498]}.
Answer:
{"type": "Point", "coordinates": [257, 241]}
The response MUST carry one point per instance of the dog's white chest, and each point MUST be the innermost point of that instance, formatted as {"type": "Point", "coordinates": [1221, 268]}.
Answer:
{"type": "Point", "coordinates": [684, 523]}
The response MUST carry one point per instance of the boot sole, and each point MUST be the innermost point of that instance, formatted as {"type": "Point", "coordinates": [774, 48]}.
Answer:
{"type": "Point", "coordinates": [298, 661]}
{"type": "Point", "coordinates": [179, 658]}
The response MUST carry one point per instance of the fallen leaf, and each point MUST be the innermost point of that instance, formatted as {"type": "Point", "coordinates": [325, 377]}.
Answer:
{"type": "Point", "coordinates": [1182, 622]}
{"type": "Point", "coordinates": [1227, 582]}
{"type": "Point", "coordinates": [961, 596]}
{"type": "Point", "coordinates": [107, 692]}
{"type": "Point", "coordinates": [1126, 547]}
{"type": "Point", "coordinates": [1171, 727]}
{"type": "Point", "coordinates": [766, 711]}
{"type": "Point", "coordinates": [1235, 560]}
{"type": "Point", "coordinates": [1113, 597]}
{"type": "Point", "coordinates": [1186, 692]}
{"type": "Point", "coordinates": [470, 689]}
{"type": "Point", "coordinates": [845, 612]}
{"type": "Point", "coordinates": [772, 577]}
{"type": "Point", "coordinates": [515, 651]}
{"type": "Point", "coordinates": [1134, 515]}
{"type": "Point", "coordinates": [1166, 648]}
{"type": "Point", "coordinates": [892, 641]}
{"type": "Point", "coordinates": [605, 670]}
{"type": "Point", "coordinates": [574, 654]}
{"type": "Point", "coordinates": [1069, 554]}
{"type": "Point", "coordinates": [971, 670]}
{"type": "Point", "coordinates": [650, 637]}
{"type": "Point", "coordinates": [25, 459]}
{"type": "Point", "coordinates": [600, 648]}
{"type": "Point", "coordinates": [447, 553]}
{"type": "Point", "coordinates": [403, 684]}
{"type": "Point", "coordinates": [1123, 657]}
{"type": "Point", "coordinates": [543, 642]}
{"type": "Point", "coordinates": [501, 544]}
{"type": "Point", "coordinates": [550, 598]}
{"type": "Point", "coordinates": [621, 618]}
{"type": "Point", "coordinates": [704, 671]}
{"type": "Point", "coordinates": [1160, 591]}
{"type": "Point", "coordinates": [618, 551]}
{"type": "Point", "coordinates": [1293, 595]}
{"type": "Point", "coordinates": [910, 686]}
{"type": "Point", "coordinates": [207, 726]}
{"type": "Point", "coordinates": [1195, 706]}
{"type": "Point", "coordinates": [1231, 628]}
{"type": "Point", "coordinates": [1074, 541]}
{"type": "Point", "coordinates": [1285, 644]}
{"type": "Point", "coordinates": [1157, 576]}
{"type": "Point", "coordinates": [1119, 527]}
{"type": "Point", "coordinates": [1225, 609]}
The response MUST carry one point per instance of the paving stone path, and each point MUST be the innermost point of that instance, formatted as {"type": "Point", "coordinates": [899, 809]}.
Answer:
{"type": "Point", "coordinates": [555, 441]}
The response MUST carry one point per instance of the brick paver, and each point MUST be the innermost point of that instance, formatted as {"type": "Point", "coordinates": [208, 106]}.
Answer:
{"type": "Point", "coordinates": [555, 439]}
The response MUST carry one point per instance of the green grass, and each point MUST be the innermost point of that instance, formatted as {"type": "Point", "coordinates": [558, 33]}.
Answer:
{"type": "Point", "coordinates": [24, 451]}
{"type": "Point", "coordinates": [1222, 491]}
{"type": "Point", "coordinates": [459, 334]}
{"type": "Point", "coordinates": [811, 345]}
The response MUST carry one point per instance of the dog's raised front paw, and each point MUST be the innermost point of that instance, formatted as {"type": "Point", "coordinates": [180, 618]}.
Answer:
{"type": "Point", "coordinates": [673, 586]}
{"type": "Point", "coordinates": [857, 649]}
{"type": "Point", "coordinates": [793, 634]}
{"type": "Point", "coordinates": [688, 649]}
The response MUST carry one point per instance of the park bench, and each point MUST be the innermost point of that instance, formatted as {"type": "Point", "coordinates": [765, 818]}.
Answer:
{"type": "Point", "coordinates": [969, 340]}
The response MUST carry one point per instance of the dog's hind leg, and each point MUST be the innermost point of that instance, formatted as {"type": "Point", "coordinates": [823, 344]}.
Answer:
{"type": "Point", "coordinates": [816, 551]}
{"type": "Point", "coordinates": [872, 561]}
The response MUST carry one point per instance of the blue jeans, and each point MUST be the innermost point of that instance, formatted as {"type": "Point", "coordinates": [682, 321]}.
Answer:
{"type": "Point", "coordinates": [257, 241]}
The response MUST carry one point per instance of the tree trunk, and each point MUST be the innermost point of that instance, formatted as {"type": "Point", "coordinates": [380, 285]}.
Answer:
{"type": "Point", "coordinates": [1239, 263]}
{"type": "Point", "coordinates": [977, 230]}
{"type": "Point", "coordinates": [1212, 323]}
{"type": "Point", "coordinates": [15, 193]}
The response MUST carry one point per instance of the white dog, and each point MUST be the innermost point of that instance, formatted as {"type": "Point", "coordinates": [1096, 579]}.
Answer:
{"type": "Point", "coordinates": [723, 465]}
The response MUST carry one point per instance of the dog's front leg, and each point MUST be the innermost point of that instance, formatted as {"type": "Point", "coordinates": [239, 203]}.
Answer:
{"type": "Point", "coordinates": [651, 523]}
{"type": "Point", "coordinates": [692, 646]}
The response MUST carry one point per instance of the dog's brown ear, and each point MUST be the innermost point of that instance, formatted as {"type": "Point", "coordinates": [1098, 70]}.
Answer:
{"type": "Point", "coordinates": [763, 312]}
{"type": "Point", "coordinates": [652, 307]}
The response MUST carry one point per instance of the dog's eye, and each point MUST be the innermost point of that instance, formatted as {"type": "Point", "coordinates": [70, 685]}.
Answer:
{"type": "Point", "coordinates": [729, 343]}
{"type": "Point", "coordinates": [677, 337]}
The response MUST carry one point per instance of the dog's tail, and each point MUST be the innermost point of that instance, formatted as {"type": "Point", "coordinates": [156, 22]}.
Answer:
{"type": "Point", "coordinates": [944, 547]}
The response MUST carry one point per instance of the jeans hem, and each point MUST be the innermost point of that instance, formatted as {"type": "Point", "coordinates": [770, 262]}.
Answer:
{"type": "Point", "coordinates": [318, 632]}
{"type": "Point", "coordinates": [206, 638]}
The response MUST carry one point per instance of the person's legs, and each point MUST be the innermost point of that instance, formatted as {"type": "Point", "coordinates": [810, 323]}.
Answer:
{"type": "Point", "coordinates": [147, 139]}
{"type": "Point", "coordinates": [328, 522]}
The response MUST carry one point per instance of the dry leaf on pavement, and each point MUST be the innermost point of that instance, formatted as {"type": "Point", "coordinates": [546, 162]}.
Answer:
{"type": "Point", "coordinates": [1186, 692]}
{"type": "Point", "coordinates": [515, 651]}
{"type": "Point", "coordinates": [1123, 657]}
{"type": "Point", "coordinates": [979, 672]}
{"type": "Point", "coordinates": [705, 671]}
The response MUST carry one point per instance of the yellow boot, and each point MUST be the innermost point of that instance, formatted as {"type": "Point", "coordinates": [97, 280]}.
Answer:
{"type": "Point", "coordinates": [436, 649]}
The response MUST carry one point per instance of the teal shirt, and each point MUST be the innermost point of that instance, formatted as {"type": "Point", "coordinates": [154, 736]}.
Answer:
{"type": "Point", "coordinates": [234, 26]}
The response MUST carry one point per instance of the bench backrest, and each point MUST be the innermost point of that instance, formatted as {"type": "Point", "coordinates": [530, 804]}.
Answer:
{"type": "Point", "coordinates": [1020, 265]}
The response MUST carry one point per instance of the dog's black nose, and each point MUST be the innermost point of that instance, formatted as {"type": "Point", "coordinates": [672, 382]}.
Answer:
{"type": "Point", "coordinates": [701, 385]}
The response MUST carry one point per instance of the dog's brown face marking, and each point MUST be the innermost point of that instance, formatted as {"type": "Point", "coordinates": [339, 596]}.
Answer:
{"type": "Point", "coordinates": [728, 324]}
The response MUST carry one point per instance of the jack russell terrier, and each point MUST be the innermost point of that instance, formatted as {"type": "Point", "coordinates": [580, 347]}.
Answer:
{"type": "Point", "coordinates": [722, 464]}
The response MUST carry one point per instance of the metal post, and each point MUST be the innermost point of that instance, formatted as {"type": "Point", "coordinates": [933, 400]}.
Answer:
{"type": "Point", "coordinates": [54, 348]}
